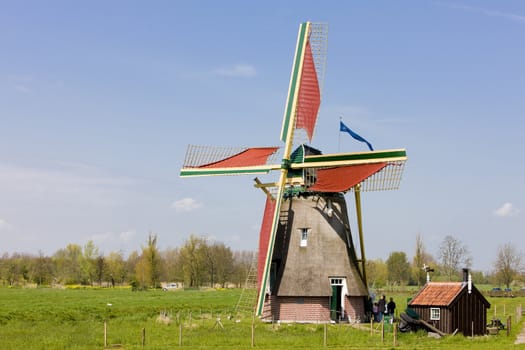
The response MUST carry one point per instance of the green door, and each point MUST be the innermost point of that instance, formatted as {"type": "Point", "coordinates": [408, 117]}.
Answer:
{"type": "Point", "coordinates": [335, 305]}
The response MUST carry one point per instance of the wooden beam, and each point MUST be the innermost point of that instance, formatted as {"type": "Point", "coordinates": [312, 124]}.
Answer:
{"type": "Point", "coordinates": [262, 186]}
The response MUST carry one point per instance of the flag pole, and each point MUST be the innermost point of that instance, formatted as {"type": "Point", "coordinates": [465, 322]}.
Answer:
{"type": "Point", "coordinates": [339, 143]}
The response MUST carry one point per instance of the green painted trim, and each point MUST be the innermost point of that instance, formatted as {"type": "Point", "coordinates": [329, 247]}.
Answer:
{"type": "Point", "coordinates": [271, 242]}
{"type": "Point", "coordinates": [297, 156]}
{"type": "Point", "coordinates": [209, 172]}
{"type": "Point", "coordinates": [293, 85]}
{"type": "Point", "coordinates": [356, 156]}
{"type": "Point", "coordinates": [285, 137]}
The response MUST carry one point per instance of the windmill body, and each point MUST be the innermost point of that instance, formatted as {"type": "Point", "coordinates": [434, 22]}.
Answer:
{"type": "Point", "coordinates": [315, 275]}
{"type": "Point", "coordinates": [308, 269]}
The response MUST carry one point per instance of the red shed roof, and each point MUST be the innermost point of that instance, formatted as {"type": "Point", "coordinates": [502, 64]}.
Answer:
{"type": "Point", "coordinates": [438, 293]}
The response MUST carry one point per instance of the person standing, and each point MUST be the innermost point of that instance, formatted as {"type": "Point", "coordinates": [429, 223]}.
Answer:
{"type": "Point", "coordinates": [391, 307]}
{"type": "Point", "coordinates": [381, 305]}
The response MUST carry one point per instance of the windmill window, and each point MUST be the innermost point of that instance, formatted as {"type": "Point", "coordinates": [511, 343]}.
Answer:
{"type": "Point", "coordinates": [336, 281]}
{"type": "Point", "coordinates": [435, 313]}
{"type": "Point", "coordinates": [304, 237]}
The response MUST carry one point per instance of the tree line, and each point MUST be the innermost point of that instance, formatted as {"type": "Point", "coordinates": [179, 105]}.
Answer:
{"type": "Point", "coordinates": [507, 268]}
{"type": "Point", "coordinates": [199, 263]}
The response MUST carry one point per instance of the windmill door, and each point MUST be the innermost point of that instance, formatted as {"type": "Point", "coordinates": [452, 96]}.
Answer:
{"type": "Point", "coordinates": [336, 301]}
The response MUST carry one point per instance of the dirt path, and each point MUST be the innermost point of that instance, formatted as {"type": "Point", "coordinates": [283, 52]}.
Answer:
{"type": "Point", "coordinates": [520, 339]}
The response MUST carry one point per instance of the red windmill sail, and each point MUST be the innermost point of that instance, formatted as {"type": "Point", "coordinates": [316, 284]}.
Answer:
{"type": "Point", "coordinates": [309, 98]}
{"type": "Point", "coordinates": [341, 179]}
{"type": "Point", "coordinates": [249, 157]}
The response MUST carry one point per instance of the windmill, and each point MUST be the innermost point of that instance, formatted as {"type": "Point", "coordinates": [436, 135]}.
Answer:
{"type": "Point", "coordinates": [308, 268]}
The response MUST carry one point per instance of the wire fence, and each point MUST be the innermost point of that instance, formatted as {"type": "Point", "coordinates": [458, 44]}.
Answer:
{"type": "Point", "coordinates": [221, 328]}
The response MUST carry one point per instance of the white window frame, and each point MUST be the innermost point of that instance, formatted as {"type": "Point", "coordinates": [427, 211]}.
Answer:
{"type": "Point", "coordinates": [304, 236]}
{"type": "Point", "coordinates": [336, 281]}
{"type": "Point", "coordinates": [435, 314]}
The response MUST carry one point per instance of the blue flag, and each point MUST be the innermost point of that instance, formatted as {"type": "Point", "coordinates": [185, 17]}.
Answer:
{"type": "Point", "coordinates": [344, 128]}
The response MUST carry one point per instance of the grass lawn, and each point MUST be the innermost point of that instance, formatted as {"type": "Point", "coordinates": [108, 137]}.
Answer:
{"type": "Point", "coordinates": [74, 319]}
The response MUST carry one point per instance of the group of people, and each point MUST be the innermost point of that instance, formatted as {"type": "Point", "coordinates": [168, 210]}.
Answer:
{"type": "Point", "coordinates": [381, 308]}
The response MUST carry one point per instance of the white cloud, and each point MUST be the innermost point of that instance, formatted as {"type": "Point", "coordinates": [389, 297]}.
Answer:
{"type": "Point", "coordinates": [126, 235]}
{"type": "Point", "coordinates": [4, 225]}
{"type": "Point", "coordinates": [506, 210]}
{"type": "Point", "coordinates": [237, 71]}
{"type": "Point", "coordinates": [235, 238]}
{"type": "Point", "coordinates": [112, 238]}
{"type": "Point", "coordinates": [22, 88]}
{"type": "Point", "coordinates": [186, 205]}
{"type": "Point", "coordinates": [101, 237]}
{"type": "Point", "coordinates": [65, 183]}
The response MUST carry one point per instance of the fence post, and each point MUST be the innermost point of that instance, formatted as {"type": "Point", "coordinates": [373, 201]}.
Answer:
{"type": "Point", "coordinates": [143, 337]}
{"type": "Point", "coordinates": [509, 324]}
{"type": "Point", "coordinates": [253, 332]}
{"type": "Point", "coordinates": [180, 334]}
{"type": "Point", "coordinates": [371, 326]}
{"type": "Point", "coordinates": [383, 330]}
{"type": "Point", "coordinates": [105, 333]}
{"type": "Point", "coordinates": [325, 336]}
{"type": "Point", "coordinates": [395, 333]}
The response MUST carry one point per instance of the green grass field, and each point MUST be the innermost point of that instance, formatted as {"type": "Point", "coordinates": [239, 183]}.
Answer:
{"type": "Point", "coordinates": [74, 319]}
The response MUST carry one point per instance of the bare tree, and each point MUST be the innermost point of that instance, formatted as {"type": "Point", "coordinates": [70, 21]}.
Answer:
{"type": "Point", "coordinates": [242, 261]}
{"type": "Point", "coordinates": [452, 254]}
{"type": "Point", "coordinates": [419, 261]}
{"type": "Point", "coordinates": [509, 263]}
{"type": "Point", "coordinates": [223, 258]}
{"type": "Point", "coordinates": [421, 258]}
{"type": "Point", "coordinates": [42, 269]}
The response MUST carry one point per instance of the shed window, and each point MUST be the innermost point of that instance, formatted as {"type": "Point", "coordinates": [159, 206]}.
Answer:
{"type": "Point", "coordinates": [304, 237]}
{"type": "Point", "coordinates": [435, 313]}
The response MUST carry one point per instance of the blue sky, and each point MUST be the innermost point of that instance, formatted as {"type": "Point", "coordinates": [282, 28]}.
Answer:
{"type": "Point", "coordinates": [98, 101]}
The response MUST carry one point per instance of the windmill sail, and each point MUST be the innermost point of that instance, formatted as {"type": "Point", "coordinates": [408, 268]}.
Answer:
{"type": "Point", "coordinates": [205, 161]}
{"type": "Point", "coordinates": [341, 179]}
{"type": "Point", "coordinates": [309, 98]}
{"type": "Point", "coordinates": [304, 92]}
{"type": "Point", "coordinates": [303, 79]}
{"type": "Point", "coordinates": [264, 238]}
